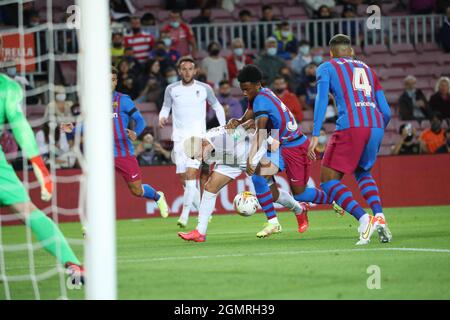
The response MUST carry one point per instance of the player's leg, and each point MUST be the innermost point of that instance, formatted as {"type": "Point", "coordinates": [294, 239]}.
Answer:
{"type": "Point", "coordinates": [128, 167]}
{"type": "Point", "coordinates": [204, 175]}
{"type": "Point", "coordinates": [190, 192]}
{"type": "Point", "coordinates": [14, 196]}
{"type": "Point", "coordinates": [284, 198]}
{"type": "Point", "coordinates": [220, 177]}
{"type": "Point", "coordinates": [367, 185]}
{"type": "Point", "coordinates": [342, 156]}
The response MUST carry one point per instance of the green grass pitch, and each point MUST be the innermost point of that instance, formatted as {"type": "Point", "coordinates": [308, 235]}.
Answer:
{"type": "Point", "coordinates": [323, 263]}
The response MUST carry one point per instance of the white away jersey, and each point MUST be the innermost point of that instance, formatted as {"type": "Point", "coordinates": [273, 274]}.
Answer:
{"type": "Point", "coordinates": [188, 104]}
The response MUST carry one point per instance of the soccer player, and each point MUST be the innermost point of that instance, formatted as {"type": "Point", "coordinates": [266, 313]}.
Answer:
{"type": "Point", "coordinates": [228, 149]}
{"type": "Point", "coordinates": [270, 113]}
{"type": "Point", "coordinates": [13, 194]}
{"type": "Point", "coordinates": [187, 99]}
{"type": "Point", "coordinates": [363, 114]}
{"type": "Point", "coordinates": [125, 162]}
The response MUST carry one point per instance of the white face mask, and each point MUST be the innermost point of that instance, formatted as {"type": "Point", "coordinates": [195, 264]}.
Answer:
{"type": "Point", "coordinates": [239, 51]}
{"type": "Point", "coordinates": [285, 34]}
{"type": "Point", "coordinates": [60, 97]}
{"type": "Point", "coordinates": [322, 139]}
{"type": "Point", "coordinates": [272, 51]}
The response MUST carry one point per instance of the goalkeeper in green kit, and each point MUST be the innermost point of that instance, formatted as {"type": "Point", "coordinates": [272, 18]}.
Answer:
{"type": "Point", "coordinates": [14, 195]}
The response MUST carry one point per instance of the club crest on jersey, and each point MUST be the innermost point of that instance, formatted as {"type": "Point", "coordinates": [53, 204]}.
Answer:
{"type": "Point", "coordinates": [115, 115]}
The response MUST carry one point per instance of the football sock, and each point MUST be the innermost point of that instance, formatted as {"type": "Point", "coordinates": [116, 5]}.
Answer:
{"type": "Point", "coordinates": [205, 211]}
{"type": "Point", "coordinates": [369, 191]}
{"type": "Point", "coordinates": [196, 202]}
{"type": "Point", "coordinates": [264, 196]}
{"type": "Point", "coordinates": [340, 193]}
{"type": "Point", "coordinates": [50, 237]}
{"type": "Point", "coordinates": [313, 195]}
{"type": "Point", "coordinates": [150, 193]}
{"type": "Point", "coordinates": [287, 201]}
{"type": "Point", "coordinates": [188, 197]}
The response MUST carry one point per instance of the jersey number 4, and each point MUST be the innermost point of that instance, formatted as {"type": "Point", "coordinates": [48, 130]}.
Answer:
{"type": "Point", "coordinates": [361, 81]}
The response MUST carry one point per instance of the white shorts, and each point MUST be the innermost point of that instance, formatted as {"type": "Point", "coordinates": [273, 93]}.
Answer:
{"type": "Point", "coordinates": [181, 160]}
{"type": "Point", "coordinates": [229, 171]}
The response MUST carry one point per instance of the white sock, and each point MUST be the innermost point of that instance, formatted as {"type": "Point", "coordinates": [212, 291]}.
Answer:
{"type": "Point", "coordinates": [363, 221]}
{"type": "Point", "coordinates": [273, 220]}
{"type": "Point", "coordinates": [205, 211]}
{"type": "Point", "coordinates": [380, 214]}
{"type": "Point", "coordinates": [196, 202]}
{"type": "Point", "coordinates": [288, 201]}
{"type": "Point", "coordinates": [189, 193]}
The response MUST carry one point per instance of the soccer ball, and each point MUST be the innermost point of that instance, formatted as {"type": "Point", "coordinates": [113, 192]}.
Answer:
{"type": "Point", "coordinates": [246, 203]}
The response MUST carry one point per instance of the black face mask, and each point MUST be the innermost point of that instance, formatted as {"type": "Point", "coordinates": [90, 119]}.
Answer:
{"type": "Point", "coordinates": [311, 78]}
{"type": "Point", "coordinates": [136, 30]}
{"type": "Point", "coordinates": [214, 52]}
{"type": "Point", "coordinates": [117, 44]}
{"type": "Point", "coordinates": [278, 91]}
{"type": "Point", "coordinates": [408, 138]}
{"type": "Point", "coordinates": [435, 127]}
{"type": "Point", "coordinates": [226, 95]}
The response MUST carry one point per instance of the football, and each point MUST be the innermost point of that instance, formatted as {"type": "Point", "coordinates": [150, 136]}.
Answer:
{"type": "Point", "coordinates": [246, 203]}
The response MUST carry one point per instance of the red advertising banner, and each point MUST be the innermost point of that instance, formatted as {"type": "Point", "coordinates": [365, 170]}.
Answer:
{"type": "Point", "coordinates": [13, 51]}
{"type": "Point", "coordinates": [402, 180]}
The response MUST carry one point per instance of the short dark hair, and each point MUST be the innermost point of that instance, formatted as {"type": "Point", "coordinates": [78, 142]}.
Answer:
{"type": "Point", "coordinates": [436, 114]}
{"type": "Point", "coordinates": [283, 24]}
{"type": "Point", "coordinates": [175, 10]}
{"type": "Point", "coordinates": [224, 82]}
{"type": "Point", "coordinates": [250, 73]}
{"type": "Point", "coordinates": [185, 59]}
{"type": "Point", "coordinates": [340, 39]}
{"type": "Point", "coordinates": [148, 16]}
{"type": "Point", "coordinates": [266, 7]}
{"type": "Point", "coordinates": [114, 70]}
{"type": "Point", "coordinates": [244, 12]}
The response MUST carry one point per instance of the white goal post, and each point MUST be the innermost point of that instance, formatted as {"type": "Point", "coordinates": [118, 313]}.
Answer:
{"type": "Point", "coordinates": [95, 96]}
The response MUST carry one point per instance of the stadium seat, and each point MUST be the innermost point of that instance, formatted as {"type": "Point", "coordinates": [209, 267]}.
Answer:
{"type": "Point", "coordinates": [385, 150]}
{"type": "Point", "coordinates": [291, 13]}
{"type": "Point", "coordinates": [401, 48]}
{"type": "Point", "coordinates": [376, 49]}
{"type": "Point", "coordinates": [147, 107]}
{"type": "Point", "coordinates": [189, 14]}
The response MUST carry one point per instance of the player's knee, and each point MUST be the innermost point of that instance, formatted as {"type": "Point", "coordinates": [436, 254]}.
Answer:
{"type": "Point", "coordinates": [136, 190]}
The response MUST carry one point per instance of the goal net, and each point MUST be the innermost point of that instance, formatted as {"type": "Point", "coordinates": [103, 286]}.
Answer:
{"type": "Point", "coordinates": [57, 50]}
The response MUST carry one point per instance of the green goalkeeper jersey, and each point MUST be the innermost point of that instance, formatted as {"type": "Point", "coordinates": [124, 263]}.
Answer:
{"type": "Point", "coordinates": [11, 111]}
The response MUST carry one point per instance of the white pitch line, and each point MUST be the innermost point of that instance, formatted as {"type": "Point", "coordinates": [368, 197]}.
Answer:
{"type": "Point", "coordinates": [260, 254]}
{"type": "Point", "coordinates": [133, 260]}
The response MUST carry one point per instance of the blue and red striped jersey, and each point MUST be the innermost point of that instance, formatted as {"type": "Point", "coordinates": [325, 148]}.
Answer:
{"type": "Point", "coordinates": [359, 97]}
{"type": "Point", "coordinates": [267, 104]}
{"type": "Point", "coordinates": [124, 110]}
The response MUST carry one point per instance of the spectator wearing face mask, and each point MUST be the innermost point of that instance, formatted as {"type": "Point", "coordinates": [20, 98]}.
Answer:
{"type": "Point", "coordinates": [245, 31]}
{"type": "Point", "coordinates": [407, 143]}
{"type": "Point", "coordinates": [287, 43]}
{"type": "Point", "coordinates": [433, 140]}
{"type": "Point", "coordinates": [150, 152]}
{"type": "Point", "coordinates": [127, 80]}
{"type": "Point", "coordinates": [320, 31]}
{"type": "Point", "coordinates": [231, 105]}
{"type": "Point", "coordinates": [148, 19]}
{"type": "Point", "coordinates": [440, 100]}
{"type": "Point", "coordinates": [413, 104]}
{"type": "Point", "coordinates": [322, 145]}
{"type": "Point", "coordinates": [214, 65]}
{"type": "Point", "coordinates": [286, 73]}
{"type": "Point", "coordinates": [302, 59]}
{"type": "Point", "coordinates": [60, 107]}
{"type": "Point", "coordinates": [64, 156]}
{"type": "Point", "coordinates": [117, 50]}
{"type": "Point", "coordinates": [133, 64]}
{"type": "Point", "coordinates": [237, 60]}
{"type": "Point", "coordinates": [141, 41]}
{"type": "Point", "coordinates": [183, 39]}
{"type": "Point", "coordinates": [269, 62]}
{"type": "Point", "coordinates": [280, 88]}
{"type": "Point", "coordinates": [170, 75]}
{"type": "Point", "coordinates": [307, 90]}
{"type": "Point", "coordinates": [163, 52]}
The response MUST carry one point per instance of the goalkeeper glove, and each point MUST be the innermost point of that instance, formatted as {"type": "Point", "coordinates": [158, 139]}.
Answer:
{"type": "Point", "coordinates": [43, 176]}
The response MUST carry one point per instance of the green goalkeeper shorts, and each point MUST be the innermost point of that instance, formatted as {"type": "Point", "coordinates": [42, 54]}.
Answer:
{"type": "Point", "coordinates": [12, 190]}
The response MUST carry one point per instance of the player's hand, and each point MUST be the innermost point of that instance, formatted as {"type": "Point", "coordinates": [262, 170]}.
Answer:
{"type": "Point", "coordinates": [43, 176]}
{"type": "Point", "coordinates": [250, 169]}
{"type": "Point", "coordinates": [232, 123]}
{"type": "Point", "coordinates": [274, 145]}
{"type": "Point", "coordinates": [131, 134]}
{"type": "Point", "coordinates": [67, 127]}
{"type": "Point", "coordinates": [162, 122]}
{"type": "Point", "coordinates": [312, 146]}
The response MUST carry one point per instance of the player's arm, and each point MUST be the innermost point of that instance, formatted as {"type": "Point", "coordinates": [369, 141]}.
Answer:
{"type": "Point", "coordinates": [25, 138]}
{"type": "Point", "coordinates": [135, 114]}
{"type": "Point", "coordinates": [167, 106]}
{"type": "Point", "coordinates": [382, 103]}
{"type": "Point", "coordinates": [233, 123]}
{"type": "Point", "coordinates": [215, 105]}
{"type": "Point", "coordinates": [320, 107]}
